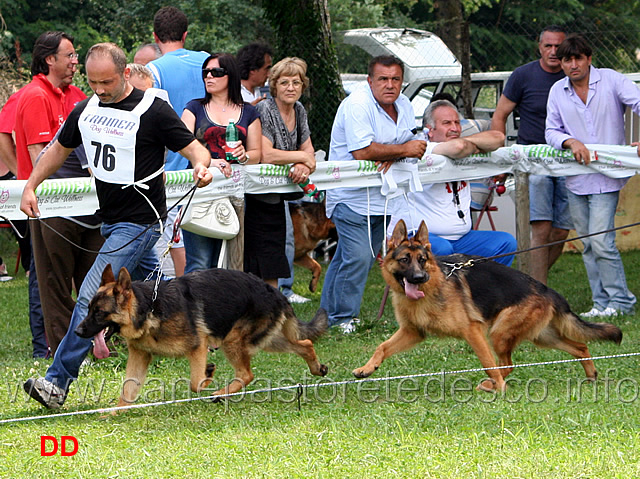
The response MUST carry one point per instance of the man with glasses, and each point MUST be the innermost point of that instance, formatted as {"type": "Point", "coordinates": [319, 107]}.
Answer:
{"type": "Point", "coordinates": [178, 72]}
{"type": "Point", "coordinates": [374, 123]}
{"type": "Point", "coordinates": [43, 106]}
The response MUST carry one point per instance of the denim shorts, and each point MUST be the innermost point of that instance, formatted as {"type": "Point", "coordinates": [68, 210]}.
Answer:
{"type": "Point", "coordinates": [548, 201]}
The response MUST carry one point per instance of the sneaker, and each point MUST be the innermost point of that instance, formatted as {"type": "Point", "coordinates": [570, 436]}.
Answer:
{"type": "Point", "coordinates": [593, 313]}
{"type": "Point", "coordinates": [596, 313]}
{"type": "Point", "coordinates": [609, 313]}
{"type": "Point", "coordinates": [297, 299]}
{"type": "Point", "coordinates": [45, 392]}
{"type": "Point", "coordinates": [350, 326]}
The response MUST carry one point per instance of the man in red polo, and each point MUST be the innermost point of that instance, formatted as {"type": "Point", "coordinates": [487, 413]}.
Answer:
{"type": "Point", "coordinates": [43, 106]}
{"type": "Point", "coordinates": [48, 99]}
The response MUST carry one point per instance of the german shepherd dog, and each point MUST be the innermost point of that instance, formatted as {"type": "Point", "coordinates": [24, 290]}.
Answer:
{"type": "Point", "coordinates": [310, 225]}
{"type": "Point", "coordinates": [479, 301]}
{"type": "Point", "coordinates": [233, 310]}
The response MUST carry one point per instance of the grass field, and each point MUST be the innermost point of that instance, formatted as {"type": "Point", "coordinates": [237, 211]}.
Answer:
{"type": "Point", "coordinates": [550, 424]}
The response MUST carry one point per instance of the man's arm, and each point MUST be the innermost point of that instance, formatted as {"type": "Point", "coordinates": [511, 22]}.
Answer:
{"type": "Point", "coordinates": [34, 151]}
{"type": "Point", "coordinates": [381, 152]}
{"type": "Point", "coordinates": [52, 159]}
{"type": "Point", "coordinates": [556, 134]}
{"type": "Point", "coordinates": [8, 152]}
{"type": "Point", "coordinates": [482, 142]}
{"type": "Point", "coordinates": [200, 159]}
{"type": "Point", "coordinates": [503, 110]}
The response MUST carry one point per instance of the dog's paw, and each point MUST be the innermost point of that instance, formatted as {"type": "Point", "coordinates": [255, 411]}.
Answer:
{"type": "Point", "coordinates": [313, 284]}
{"type": "Point", "coordinates": [489, 386]}
{"type": "Point", "coordinates": [210, 369]}
{"type": "Point", "coordinates": [363, 372]}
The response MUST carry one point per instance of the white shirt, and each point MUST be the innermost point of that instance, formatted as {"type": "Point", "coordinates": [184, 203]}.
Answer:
{"type": "Point", "coordinates": [360, 121]}
{"type": "Point", "coordinates": [436, 206]}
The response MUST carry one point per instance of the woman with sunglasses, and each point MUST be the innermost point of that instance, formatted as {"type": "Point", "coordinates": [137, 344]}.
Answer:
{"type": "Point", "coordinates": [208, 118]}
{"type": "Point", "coordinates": [286, 140]}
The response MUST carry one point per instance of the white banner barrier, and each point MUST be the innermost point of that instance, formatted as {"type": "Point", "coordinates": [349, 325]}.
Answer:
{"type": "Point", "coordinates": [77, 196]}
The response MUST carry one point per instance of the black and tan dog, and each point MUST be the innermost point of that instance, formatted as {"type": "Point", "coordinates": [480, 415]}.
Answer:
{"type": "Point", "coordinates": [485, 300]}
{"type": "Point", "coordinates": [233, 310]}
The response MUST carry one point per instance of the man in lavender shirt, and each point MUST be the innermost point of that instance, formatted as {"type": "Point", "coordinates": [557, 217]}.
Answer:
{"type": "Point", "coordinates": [587, 107]}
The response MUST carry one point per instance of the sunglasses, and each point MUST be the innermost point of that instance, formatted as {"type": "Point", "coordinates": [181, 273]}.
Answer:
{"type": "Point", "coordinates": [215, 72]}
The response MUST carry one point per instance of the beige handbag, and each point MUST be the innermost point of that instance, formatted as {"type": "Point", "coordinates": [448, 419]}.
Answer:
{"type": "Point", "coordinates": [213, 219]}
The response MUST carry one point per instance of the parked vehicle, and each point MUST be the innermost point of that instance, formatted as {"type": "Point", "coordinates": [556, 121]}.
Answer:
{"type": "Point", "coordinates": [430, 68]}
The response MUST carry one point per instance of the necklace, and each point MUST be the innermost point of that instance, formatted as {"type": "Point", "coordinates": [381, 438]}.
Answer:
{"type": "Point", "coordinates": [211, 105]}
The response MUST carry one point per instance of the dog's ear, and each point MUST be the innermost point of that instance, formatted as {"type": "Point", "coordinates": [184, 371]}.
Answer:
{"type": "Point", "coordinates": [107, 275]}
{"type": "Point", "coordinates": [422, 236]}
{"type": "Point", "coordinates": [124, 279]}
{"type": "Point", "coordinates": [399, 234]}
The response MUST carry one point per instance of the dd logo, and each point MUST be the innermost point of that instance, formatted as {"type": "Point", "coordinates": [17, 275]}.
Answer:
{"type": "Point", "coordinates": [64, 448]}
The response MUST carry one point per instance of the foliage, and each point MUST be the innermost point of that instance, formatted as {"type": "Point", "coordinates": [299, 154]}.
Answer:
{"type": "Point", "coordinates": [302, 29]}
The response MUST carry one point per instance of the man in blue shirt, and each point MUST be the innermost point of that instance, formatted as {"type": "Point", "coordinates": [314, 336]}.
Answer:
{"type": "Point", "coordinates": [587, 107]}
{"type": "Point", "coordinates": [179, 72]}
{"type": "Point", "coordinates": [375, 123]}
{"type": "Point", "coordinates": [527, 90]}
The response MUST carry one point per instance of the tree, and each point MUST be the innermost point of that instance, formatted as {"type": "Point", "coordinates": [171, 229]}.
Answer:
{"type": "Point", "coordinates": [302, 29]}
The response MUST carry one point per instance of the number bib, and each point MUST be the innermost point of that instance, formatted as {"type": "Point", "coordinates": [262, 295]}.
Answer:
{"type": "Point", "coordinates": [109, 138]}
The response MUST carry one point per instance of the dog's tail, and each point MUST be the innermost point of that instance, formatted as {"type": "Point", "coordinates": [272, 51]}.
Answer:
{"type": "Point", "coordinates": [314, 328]}
{"type": "Point", "coordinates": [584, 331]}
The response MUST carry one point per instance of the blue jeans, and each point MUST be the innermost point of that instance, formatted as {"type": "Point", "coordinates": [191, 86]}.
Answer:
{"type": "Point", "coordinates": [285, 284]}
{"type": "Point", "coordinates": [139, 258]}
{"type": "Point", "coordinates": [476, 242]}
{"type": "Point", "coordinates": [590, 214]}
{"type": "Point", "coordinates": [200, 251]}
{"type": "Point", "coordinates": [347, 274]}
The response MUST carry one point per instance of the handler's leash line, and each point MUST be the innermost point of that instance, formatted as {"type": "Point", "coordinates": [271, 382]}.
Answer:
{"type": "Point", "coordinates": [299, 388]}
{"type": "Point", "coordinates": [191, 192]}
{"type": "Point", "coordinates": [471, 262]}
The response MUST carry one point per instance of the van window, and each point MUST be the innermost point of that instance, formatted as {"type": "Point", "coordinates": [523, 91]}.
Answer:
{"type": "Point", "coordinates": [421, 101]}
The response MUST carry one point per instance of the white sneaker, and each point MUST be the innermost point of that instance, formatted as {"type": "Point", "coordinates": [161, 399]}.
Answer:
{"type": "Point", "coordinates": [297, 299]}
{"type": "Point", "coordinates": [5, 277]}
{"type": "Point", "coordinates": [609, 313]}
{"type": "Point", "coordinates": [593, 313]}
{"type": "Point", "coordinates": [349, 327]}
{"type": "Point", "coordinates": [45, 392]}
{"type": "Point", "coordinates": [596, 313]}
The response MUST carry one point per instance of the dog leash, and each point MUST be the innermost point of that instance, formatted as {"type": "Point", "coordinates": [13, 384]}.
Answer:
{"type": "Point", "coordinates": [191, 192]}
{"type": "Point", "coordinates": [471, 262]}
{"type": "Point", "coordinates": [158, 270]}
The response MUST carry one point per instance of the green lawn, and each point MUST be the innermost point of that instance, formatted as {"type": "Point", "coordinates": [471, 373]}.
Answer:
{"type": "Point", "coordinates": [550, 424]}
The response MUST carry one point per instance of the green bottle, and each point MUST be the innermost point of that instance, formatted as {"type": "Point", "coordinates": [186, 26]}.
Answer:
{"type": "Point", "coordinates": [231, 141]}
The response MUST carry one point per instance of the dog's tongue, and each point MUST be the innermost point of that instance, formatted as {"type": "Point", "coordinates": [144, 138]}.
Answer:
{"type": "Point", "coordinates": [100, 349]}
{"type": "Point", "coordinates": [412, 291]}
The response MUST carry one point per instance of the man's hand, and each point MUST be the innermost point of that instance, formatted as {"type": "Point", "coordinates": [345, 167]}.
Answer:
{"type": "Point", "coordinates": [415, 148]}
{"type": "Point", "coordinates": [580, 152]}
{"type": "Point", "coordinates": [259, 99]}
{"type": "Point", "coordinates": [637, 145]}
{"type": "Point", "coordinates": [202, 173]}
{"type": "Point", "coordinates": [29, 203]}
{"type": "Point", "coordinates": [410, 149]}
